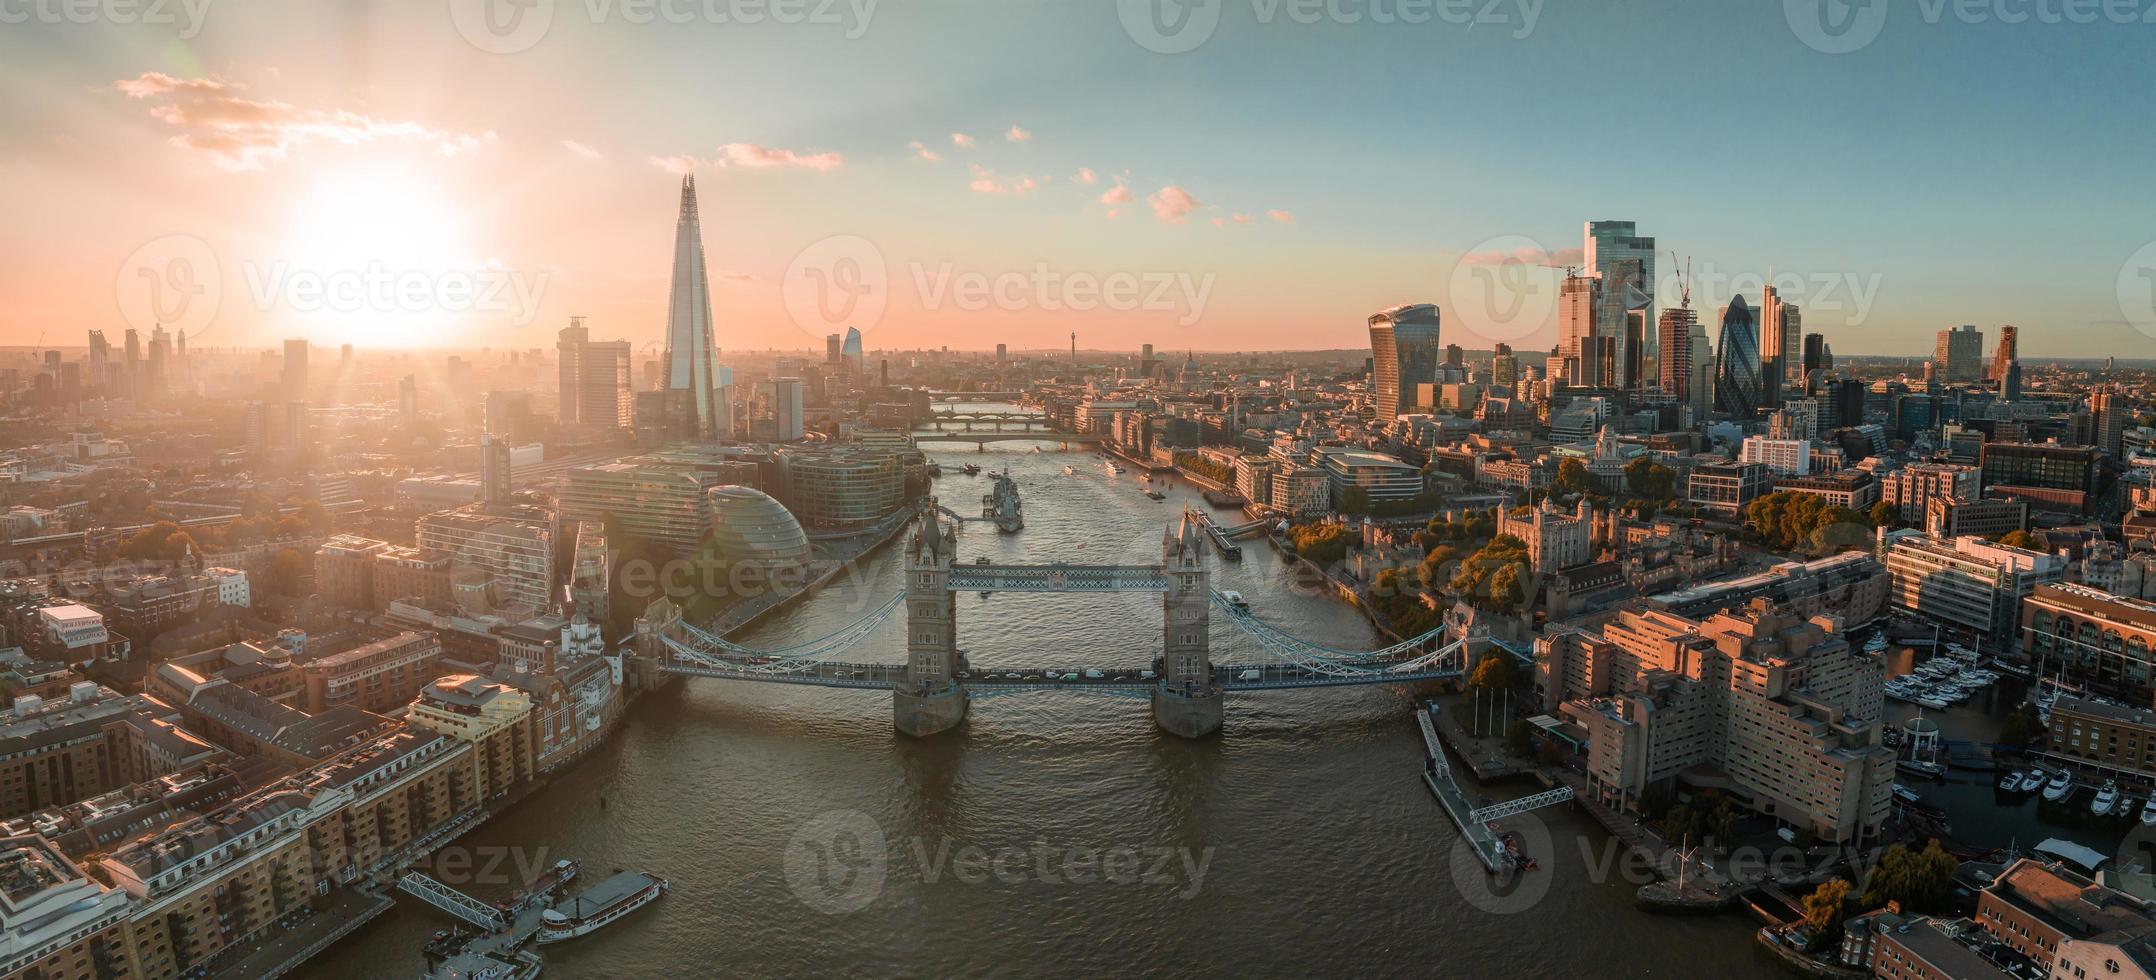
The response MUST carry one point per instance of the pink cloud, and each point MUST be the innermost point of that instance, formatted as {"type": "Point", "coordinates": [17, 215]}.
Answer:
{"type": "Point", "coordinates": [1085, 175]}
{"type": "Point", "coordinates": [1243, 218]}
{"type": "Point", "coordinates": [1281, 216]}
{"type": "Point", "coordinates": [961, 140]}
{"type": "Point", "coordinates": [924, 152]}
{"type": "Point", "coordinates": [676, 164]}
{"type": "Point", "coordinates": [583, 151]}
{"type": "Point", "coordinates": [239, 133]}
{"type": "Point", "coordinates": [1116, 195]}
{"type": "Point", "coordinates": [987, 185]}
{"type": "Point", "coordinates": [1171, 204]}
{"type": "Point", "coordinates": [757, 157]}
{"type": "Point", "coordinates": [1017, 134]}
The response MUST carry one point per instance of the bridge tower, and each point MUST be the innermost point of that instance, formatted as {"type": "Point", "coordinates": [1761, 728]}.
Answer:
{"type": "Point", "coordinates": [1188, 700]}
{"type": "Point", "coordinates": [929, 699]}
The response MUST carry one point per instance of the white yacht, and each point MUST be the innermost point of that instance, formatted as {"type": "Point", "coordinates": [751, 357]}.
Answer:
{"type": "Point", "coordinates": [2106, 798]}
{"type": "Point", "coordinates": [2060, 787]}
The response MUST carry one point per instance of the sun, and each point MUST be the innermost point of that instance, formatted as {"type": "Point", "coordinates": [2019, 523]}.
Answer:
{"type": "Point", "coordinates": [380, 256]}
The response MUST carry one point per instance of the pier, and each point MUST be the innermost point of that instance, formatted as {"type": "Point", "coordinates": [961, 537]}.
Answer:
{"type": "Point", "coordinates": [1221, 541]}
{"type": "Point", "coordinates": [1437, 774]}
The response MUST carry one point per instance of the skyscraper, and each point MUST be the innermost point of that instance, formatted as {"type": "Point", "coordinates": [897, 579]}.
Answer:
{"type": "Point", "coordinates": [1403, 354]}
{"type": "Point", "coordinates": [1579, 341]}
{"type": "Point", "coordinates": [295, 369]}
{"type": "Point", "coordinates": [494, 465]}
{"type": "Point", "coordinates": [408, 397]}
{"type": "Point", "coordinates": [100, 363]}
{"type": "Point", "coordinates": [1960, 354]}
{"type": "Point", "coordinates": [594, 380]}
{"type": "Point", "coordinates": [1780, 331]}
{"type": "Point", "coordinates": [1675, 341]}
{"type": "Point", "coordinates": [786, 409]}
{"type": "Point", "coordinates": [851, 351]}
{"type": "Point", "coordinates": [1736, 363]}
{"type": "Point", "coordinates": [1611, 242]}
{"type": "Point", "coordinates": [691, 357]}
{"type": "Point", "coordinates": [1815, 355]}
{"type": "Point", "coordinates": [2008, 352]}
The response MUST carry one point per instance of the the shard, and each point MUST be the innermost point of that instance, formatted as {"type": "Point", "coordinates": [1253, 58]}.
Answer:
{"type": "Point", "coordinates": [691, 358]}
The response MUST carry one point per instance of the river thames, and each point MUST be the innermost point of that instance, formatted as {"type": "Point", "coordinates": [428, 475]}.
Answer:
{"type": "Point", "coordinates": [1054, 834]}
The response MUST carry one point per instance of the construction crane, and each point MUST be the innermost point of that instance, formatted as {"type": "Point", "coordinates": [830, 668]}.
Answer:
{"type": "Point", "coordinates": [1687, 282]}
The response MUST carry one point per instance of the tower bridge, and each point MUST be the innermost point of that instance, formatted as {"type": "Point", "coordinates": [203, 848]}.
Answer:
{"type": "Point", "coordinates": [934, 686]}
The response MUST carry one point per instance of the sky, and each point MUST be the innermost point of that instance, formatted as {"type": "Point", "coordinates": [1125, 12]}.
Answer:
{"type": "Point", "coordinates": [1228, 175]}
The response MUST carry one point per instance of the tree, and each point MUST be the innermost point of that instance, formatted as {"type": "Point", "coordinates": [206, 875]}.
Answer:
{"type": "Point", "coordinates": [1520, 738]}
{"type": "Point", "coordinates": [1354, 501]}
{"type": "Point", "coordinates": [289, 570]}
{"type": "Point", "coordinates": [1494, 673]}
{"type": "Point", "coordinates": [2022, 539]}
{"type": "Point", "coordinates": [1572, 476]}
{"type": "Point", "coordinates": [2023, 727]}
{"type": "Point", "coordinates": [1506, 593]}
{"type": "Point", "coordinates": [1649, 480]}
{"type": "Point", "coordinates": [1919, 880]}
{"type": "Point", "coordinates": [1885, 514]}
{"type": "Point", "coordinates": [1823, 911]}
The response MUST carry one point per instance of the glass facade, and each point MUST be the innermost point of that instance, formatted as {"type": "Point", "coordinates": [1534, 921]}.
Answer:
{"type": "Point", "coordinates": [1736, 364]}
{"type": "Point", "coordinates": [1404, 353]}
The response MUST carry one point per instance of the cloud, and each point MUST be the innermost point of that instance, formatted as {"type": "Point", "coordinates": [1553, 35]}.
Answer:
{"type": "Point", "coordinates": [1171, 204]}
{"type": "Point", "coordinates": [961, 140]}
{"type": "Point", "coordinates": [1280, 216]}
{"type": "Point", "coordinates": [583, 151]}
{"type": "Point", "coordinates": [1085, 175]}
{"type": "Point", "coordinates": [1244, 218]}
{"type": "Point", "coordinates": [758, 157]}
{"type": "Point", "coordinates": [239, 133]}
{"type": "Point", "coordinates": [1219, 222]}
{"type": "Point", "coordinates": [987, 185]}
{"type": "Point", "coordinates": [676, 164]}
{"type": "Point", "coordinates": [924, 152]}
{"type": "Point", "coordinates": [1530, 256]}
{"type": "Point", "coordinates": [1116, 195]}
{"type": "Point", "coordinates": [1017, 134]}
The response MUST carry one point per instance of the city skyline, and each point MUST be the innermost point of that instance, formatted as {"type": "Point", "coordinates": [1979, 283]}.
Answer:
{"type": "Point", "coordinates": [285, 158]}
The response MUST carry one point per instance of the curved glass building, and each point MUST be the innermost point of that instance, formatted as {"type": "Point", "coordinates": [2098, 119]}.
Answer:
{"type": "Point", "coordinates": [1736, 362]}
{"type": "Point", "coordinates": [749, 527]}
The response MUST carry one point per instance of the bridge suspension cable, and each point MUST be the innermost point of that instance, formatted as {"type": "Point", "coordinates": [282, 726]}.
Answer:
{"type": "Point", "coordinates": [1297, 647]}
{"type": "Point", "coordinates": [699, 644]}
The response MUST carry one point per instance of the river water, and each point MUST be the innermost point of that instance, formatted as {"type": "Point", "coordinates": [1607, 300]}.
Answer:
{"type": "Point", "coordinates": [1055, 834]}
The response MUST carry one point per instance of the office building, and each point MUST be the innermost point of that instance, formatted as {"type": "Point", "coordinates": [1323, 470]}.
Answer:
{"type": "Point", "coordinates": [1628, 295]}
{"type": "Point", "coordinates": [1588, 355]}
{"type": "Point", "coordinates": [1780, 339]}
{"type": "Point", "coordinates": [1404, 353]}
{"type": "Point", "coordinates": [1945, 517]}
{"type": "Point", "coordinates": [752, 530]}
{"type": "Point", "coordinates": [2110, 416]}
{"type": "Point", "coordinates": [1783, 457]}
{"type": "Point", "coordinates": [2059, 919]}
{"type": "Point", "coordinates": [594, 380]}
{"type": "Point", "coordinates": [788, 411]}
{"type": "Point", "coordinates": [295, 370]}
{"type": "Point", "coordinates": [692, 357]}
{"type": "Point", "coordinates": [1912, 488]}
{"type": "Point", "coordinates": [1815, 356]}
{"type": "Point", "coordinates": [344, 571]}
{"type": "Point", "coordinates": [1675, 352]}
{"type": "Point", "coordinates": [2049, 476]}
{"type": "Point", "coordinates": [380, 676]}
{"type": "Point", "coordinates": [1727, 488]}
{"type": "Point", "coordinates": [2008, 351]}
{"type": "Point", "coordinates": [2093, 638]}
{"type": "Point", "coordinates": [841, 487]}
{"type": "Point", "coordinates": [1960, 354]}
{"type": "Point", "coordinates": [502, 561]}
{"type": "Point", "coordinates": [1967, 582]}
{"type": "Point", "coordinates": [646, 498]}
{"type": "Point", "coordinates": [1736, 363]}
{"type": "Point", "coordinates": [1377, 475]}
{"type": "Point", "coordinates": [495, 484]}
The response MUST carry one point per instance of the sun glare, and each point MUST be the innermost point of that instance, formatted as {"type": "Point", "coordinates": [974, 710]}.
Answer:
{"type": "Point", "coordinates": [381, 252]}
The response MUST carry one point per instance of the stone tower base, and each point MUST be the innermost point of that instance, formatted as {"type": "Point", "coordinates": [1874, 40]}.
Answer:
{"type": "Point", "coordinates": [1190, 717]}
{"type": "Point", "coordinates": [929, 714]}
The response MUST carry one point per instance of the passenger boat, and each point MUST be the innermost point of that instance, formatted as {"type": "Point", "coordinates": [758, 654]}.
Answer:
{"type": "Point", "coordinates": [605, 903]}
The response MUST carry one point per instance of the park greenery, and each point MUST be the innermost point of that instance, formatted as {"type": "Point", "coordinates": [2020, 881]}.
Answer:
{"type": "Point", "coordinates": [1918, 881]}
{"type": "Point", "coordinates": [1495, 577]}
{"type": "Point", "coordinates": [1790, 521]}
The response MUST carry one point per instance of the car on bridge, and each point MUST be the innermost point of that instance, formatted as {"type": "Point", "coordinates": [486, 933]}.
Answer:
{"type": "Point", "coordinates": [1250, 675]}
{"type": "Point", "coordinates": [1094, 675]}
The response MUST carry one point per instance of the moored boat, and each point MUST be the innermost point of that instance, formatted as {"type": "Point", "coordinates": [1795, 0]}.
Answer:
{"type": "Point", "coordinates": [605, 903]}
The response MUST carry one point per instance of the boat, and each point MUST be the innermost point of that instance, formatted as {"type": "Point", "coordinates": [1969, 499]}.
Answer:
{"type": "Point", "coordinates": [1070, 471]}
{"type": "Point", "coordinates": [971, 469]}
{"type": "Point", "coordinates": [1919, 767]}
{"type": "Point", "coordinates": [2033, 781]}
{"type": "Point", "coordinates": [1236, 599]}
{"type": "Point", "coordinates": [2148, 812]}
{"type": "Point", "coordinates": [2010, 782]}
{"type": "Point", "coordinates": [1156, 495]}
{"type": "Point", "coordinates": [606, 902]}
{"type": "Point", "coordinates": [2106, 798]}
{"type": "Point", "coordinates": [1002, 505]}
{"type": "Point", "coordinates": [1905, 795]}
{"type": "Point", "coordinates": [2060, 787]}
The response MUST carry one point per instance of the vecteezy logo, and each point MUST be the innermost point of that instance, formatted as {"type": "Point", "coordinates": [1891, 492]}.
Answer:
{"type": "Point", "coordinates": [1511, 890]}
{"type": "Point", "coordinates": [1502, 289]}
{"type": "Point", "coordinates": [502, 26]}
{"type": "Point", "coordinates": [838, 282]}
{"type": "Point", "coordinates": [173, 281]}
{"type": "Point", "coordinates": [836, 862]}
{"type": "Point", "coordinates": [1169, 26]}
{"type": "Point", "coordinates": [1836, 26]}
{"type": "Point", "coordinates": [2137, 291]}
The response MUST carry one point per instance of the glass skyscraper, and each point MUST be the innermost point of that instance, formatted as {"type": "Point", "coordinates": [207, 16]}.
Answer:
{"type": "Point", "coordinates": [1736, 362]}
{"type": "Point", "coordinates": [1607, 243]}
{"type": "Point", "coordinates": [691, 357]}
{"type": "Point", "coordinates": [1404, 353]}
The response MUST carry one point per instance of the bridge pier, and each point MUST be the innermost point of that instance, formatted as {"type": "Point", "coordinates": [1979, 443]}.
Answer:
{"type": "Point", "coordinates": [921, 715]}
{"type": "Point", "coordinates": [1195, 715]}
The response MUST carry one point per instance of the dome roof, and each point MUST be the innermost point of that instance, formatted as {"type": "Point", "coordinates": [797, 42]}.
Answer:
{"type": "Point", "coordinates": [748, 525]}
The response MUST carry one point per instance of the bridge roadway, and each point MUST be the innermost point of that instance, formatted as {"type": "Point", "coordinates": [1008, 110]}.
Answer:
{"type": "Point", "coordinates": [1039, 435]}
{"type": "Point", "coordinates": [985, 680]}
